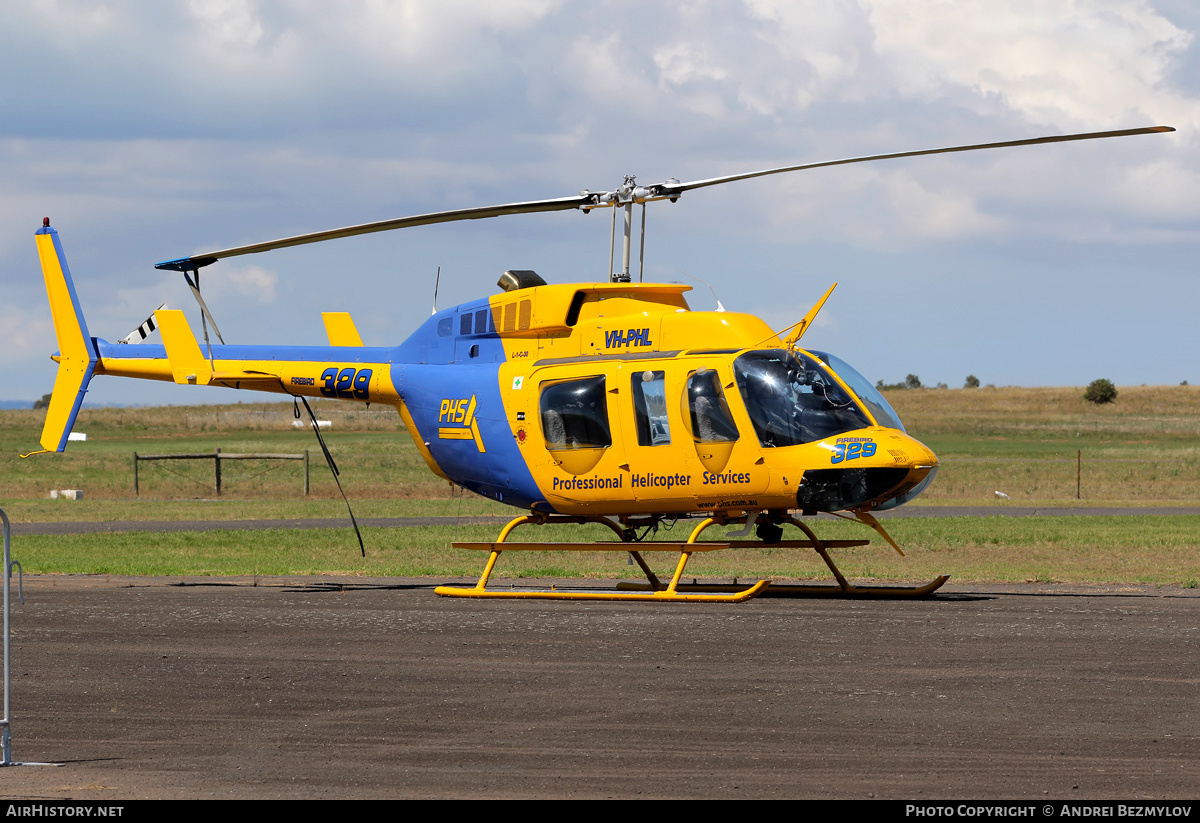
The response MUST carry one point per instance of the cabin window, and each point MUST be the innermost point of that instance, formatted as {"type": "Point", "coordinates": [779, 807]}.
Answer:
{"type": "Point", "coordinates": [793, 399]}
{"type": "Point", "coordinates": [575, 415]}
{"type": "Point", "coordinates": [650, 408]}
{"type": "Point", "coordinates": [445, 327]}
{"type": "Point", "coordinates": [525, 315]}
{"type": "Point", "coordinates": [464, 323]}
{"type": "Point", "coordinates": [510, 317]}
{"type": "Point", "coordinates": [711, 420]}
{"type": "Point", "coordinates": [481, 321]}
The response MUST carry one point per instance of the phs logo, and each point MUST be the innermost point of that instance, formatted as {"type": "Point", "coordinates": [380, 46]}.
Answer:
{"type": "Point", "coordinates": [629, 337]}
{"type": "Point", "coordinates": [460, 414]}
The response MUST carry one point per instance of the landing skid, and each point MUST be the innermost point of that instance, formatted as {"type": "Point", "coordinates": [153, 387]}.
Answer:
{"type": "Point", "coordinates": [814, 589]}
{"type": "Point", "coordinates": [682, 594]}
{"type": "Point", "coordinates": [676, 591]}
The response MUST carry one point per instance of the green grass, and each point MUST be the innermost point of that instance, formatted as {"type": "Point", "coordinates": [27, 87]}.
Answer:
{"type": "Point", "coordinates": [1142, 450]}
{"type": "Point", "coordinates": [90, 510]}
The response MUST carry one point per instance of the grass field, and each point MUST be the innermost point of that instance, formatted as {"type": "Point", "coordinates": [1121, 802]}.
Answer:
{"type": "Point", "coordinates": [1141, 450]}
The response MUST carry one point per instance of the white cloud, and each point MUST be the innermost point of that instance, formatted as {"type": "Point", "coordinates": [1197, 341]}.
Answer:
{"type": "Point", "coordinates": [602, 69]}
{"type": "Point", "coordinates": [1061, 62]}
{"type": "Point", "coordinates": [681, 63]}
{"type": "Point", "coordinates": [253, 281]}
{"type": "Point", "coordinates": [232, 23]}
{"type": "Point", "coordinates": [440, 38]}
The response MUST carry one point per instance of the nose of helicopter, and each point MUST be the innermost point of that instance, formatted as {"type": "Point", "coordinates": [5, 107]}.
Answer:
{"type": "Point", "coordinates": [882, 468]}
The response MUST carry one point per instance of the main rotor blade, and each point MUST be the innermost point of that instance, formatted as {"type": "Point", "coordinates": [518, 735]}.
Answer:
{"type": "Point", "coordinates": [678, 188]}
{"type": "Point", "coordinates": [589, 200]}
{"type": "Point", "coordinates": [478, 213]}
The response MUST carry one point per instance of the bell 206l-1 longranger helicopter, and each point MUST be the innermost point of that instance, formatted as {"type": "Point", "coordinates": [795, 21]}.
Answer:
{"type": "Point", "coordinates": [612, 402]}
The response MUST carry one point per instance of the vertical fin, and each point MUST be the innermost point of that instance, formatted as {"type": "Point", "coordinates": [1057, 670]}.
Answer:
{"type": "Point", "coordinates": [77, 355]}
{"type": "Point", "coordinates": [340, 328]}
{"type": "Point", "coordinates": [188, 365]}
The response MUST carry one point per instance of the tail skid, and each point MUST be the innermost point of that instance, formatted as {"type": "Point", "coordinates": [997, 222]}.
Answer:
{"type": "Point", "coordinates": [77, 355]}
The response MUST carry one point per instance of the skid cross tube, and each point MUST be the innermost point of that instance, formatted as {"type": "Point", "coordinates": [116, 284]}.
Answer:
{"type": "Point", "coordinates": [656, 592]}
{"type": "Point", "coordinates": [843, 587]}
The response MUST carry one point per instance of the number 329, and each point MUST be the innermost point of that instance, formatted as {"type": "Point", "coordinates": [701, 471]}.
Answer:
{"type": "Point", "coordinates": [347, 383]}
{"type": "Point", "coordinates": [852, 451]}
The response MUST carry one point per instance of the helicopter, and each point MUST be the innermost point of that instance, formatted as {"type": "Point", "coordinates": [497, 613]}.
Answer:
{"type": "Point", "coordinates": [612, 403]}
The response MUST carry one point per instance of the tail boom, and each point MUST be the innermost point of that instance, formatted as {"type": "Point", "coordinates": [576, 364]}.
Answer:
{"type": "Point", "coordinates": [339, 371]}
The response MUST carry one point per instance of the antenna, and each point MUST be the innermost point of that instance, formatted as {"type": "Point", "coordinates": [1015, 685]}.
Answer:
{"type": "Point", "coordinates": [705, 282]}
{"type": "Point", "coordinates": [436, 281]}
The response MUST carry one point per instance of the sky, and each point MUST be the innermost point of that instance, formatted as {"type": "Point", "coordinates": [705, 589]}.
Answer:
{"type": "Point", "coordinates": [148, 130]}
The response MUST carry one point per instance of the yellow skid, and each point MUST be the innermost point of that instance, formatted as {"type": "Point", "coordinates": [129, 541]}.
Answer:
{"type": "Point", "coordinates": [605, 594]}
{"type": "Point", "coordinates": [811, 589]}
{"type": "Point", "coordinates": [676, 591]}
{"type": "Point", "coordinates": [598, 547]}
{"type": "Point", "coordinates": [656, 591]}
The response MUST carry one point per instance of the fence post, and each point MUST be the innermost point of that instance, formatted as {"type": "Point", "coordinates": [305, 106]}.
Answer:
{"type": "Point", "coordinates": [306, 472]}
{"type": "Point", "coordinates": [1079, 472]}
{"type": "Point", "coordinates": [217, 463]}
{"type": "Point", "coordinates": [135, 477]}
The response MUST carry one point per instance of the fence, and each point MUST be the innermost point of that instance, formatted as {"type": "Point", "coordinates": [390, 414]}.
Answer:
{"type": "Point", "coordinates": [217, 456]}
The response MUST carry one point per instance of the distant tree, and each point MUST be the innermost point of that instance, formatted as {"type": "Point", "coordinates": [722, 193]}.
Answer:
{"type": "Point", "coordinates": [1100, 391]}
{"type": "Point", "coordinates": [912, 382]}
{"type": "Point", "coordinates": [942, 386]}
{"type": "Point", "coordinates": [1184, 383]}
{"type": "Point", "coordinates": [44, 403]}
{"type": "Point", "coordinates": [972, 382]}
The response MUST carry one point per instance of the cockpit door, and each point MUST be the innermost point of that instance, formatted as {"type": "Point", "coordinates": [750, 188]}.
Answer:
{"type": "Point", "coordinates": [722, 438]}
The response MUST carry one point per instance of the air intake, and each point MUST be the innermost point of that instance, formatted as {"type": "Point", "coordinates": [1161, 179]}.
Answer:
{"type": "Point", "coordinates": [519, 279]}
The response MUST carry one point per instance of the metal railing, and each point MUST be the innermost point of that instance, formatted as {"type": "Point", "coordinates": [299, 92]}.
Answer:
{"type": "Point", "coordinates": [6, 722]}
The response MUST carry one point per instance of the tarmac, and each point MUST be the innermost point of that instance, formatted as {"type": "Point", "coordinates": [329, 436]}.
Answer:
{"type": "Point", "coordinates": [355, 688]}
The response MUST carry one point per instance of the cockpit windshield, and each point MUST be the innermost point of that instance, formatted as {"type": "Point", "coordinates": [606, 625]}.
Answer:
{"type": "Point", "coordinates": [880, 409]}
{"type": "Point", "coordinates": [792, 398]}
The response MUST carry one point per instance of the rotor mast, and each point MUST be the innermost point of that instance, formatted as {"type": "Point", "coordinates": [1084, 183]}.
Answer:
{"type": "Point", "coordinates": [624, 198]}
